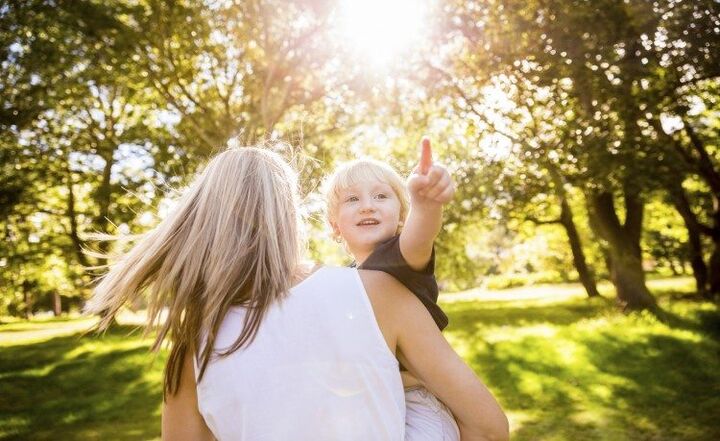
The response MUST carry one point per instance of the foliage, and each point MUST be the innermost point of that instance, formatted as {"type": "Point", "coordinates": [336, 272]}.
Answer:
{"type": "Point", "coordinates": [538, 109]}
{"type": "Point", "coordinates": [83, 159]}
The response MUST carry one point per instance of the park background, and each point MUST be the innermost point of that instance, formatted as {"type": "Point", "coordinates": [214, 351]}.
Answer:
{"type": "Point", "coordinates": [579, 262]}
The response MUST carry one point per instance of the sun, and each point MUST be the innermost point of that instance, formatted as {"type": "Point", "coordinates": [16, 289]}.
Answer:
{"type": "Point", "coordinates": [380, 30]}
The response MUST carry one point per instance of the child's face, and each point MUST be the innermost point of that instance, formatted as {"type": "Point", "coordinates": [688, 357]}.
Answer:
{"type": "Point", "coordinates": [368, 213]}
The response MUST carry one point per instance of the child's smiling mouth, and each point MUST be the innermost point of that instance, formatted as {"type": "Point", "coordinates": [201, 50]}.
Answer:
{"type": "Point", "coordinates": [368, 222]}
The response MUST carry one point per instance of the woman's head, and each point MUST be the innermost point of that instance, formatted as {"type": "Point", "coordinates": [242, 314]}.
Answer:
{"type": "Point", "coordinates": [243, 209]}
{"type": "Point", "coordinates": [367, 203]}
{"type": "Point", "coordinates": [233, 238]}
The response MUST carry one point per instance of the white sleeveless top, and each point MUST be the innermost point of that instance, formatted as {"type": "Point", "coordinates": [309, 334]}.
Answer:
{"type": "Point", "coordinates": [318, 369]}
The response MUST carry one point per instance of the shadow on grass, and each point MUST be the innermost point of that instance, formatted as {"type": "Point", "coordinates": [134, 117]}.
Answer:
{"type": "Point", "coordinates": [59, 388]}
{"type": "Point", "coordinates": [704, 322]}
{"type": "Point", "coordinates": [672, 384]}
{"type": "Point", "coordinates": [468, 316]}
{"type": "Point", "coordinates": [626, 378]}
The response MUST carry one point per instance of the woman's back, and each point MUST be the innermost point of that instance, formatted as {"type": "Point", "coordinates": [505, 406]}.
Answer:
{"type": "Point", "coordinates": [319, 368]}
{"type": "Point", "coordinates": [321, 365]}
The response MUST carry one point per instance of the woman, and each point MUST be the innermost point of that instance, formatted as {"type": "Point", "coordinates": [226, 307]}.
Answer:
{"type": "Point", "coordinates": [263, 350]}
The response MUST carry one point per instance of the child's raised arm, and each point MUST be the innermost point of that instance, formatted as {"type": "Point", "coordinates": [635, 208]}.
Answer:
{"type": "Point", "coordinates": [430, 187]}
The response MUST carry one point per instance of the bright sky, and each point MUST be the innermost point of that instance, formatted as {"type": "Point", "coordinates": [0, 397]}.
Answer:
{"type": "Point", "coordinates": [380, 30]}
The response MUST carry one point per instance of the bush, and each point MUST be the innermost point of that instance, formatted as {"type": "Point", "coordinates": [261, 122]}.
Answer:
{"type": "Point", "coordinates": [505, 281]}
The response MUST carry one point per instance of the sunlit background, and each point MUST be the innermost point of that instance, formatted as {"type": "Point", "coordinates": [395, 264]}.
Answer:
{"type": "Point", "coordinates": [381, 32]}
{"type": "Point", "coordinates": [582, 138]}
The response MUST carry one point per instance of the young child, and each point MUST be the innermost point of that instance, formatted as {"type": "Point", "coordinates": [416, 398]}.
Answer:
{"type": "Point", "coordinates": [368, 209]}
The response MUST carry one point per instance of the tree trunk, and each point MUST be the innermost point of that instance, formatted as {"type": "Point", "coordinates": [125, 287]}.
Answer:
{"type": "Point", "coordinates": [104, 193]}
{"type": "Point", "coordinates": [72, 218]}
{"type": "Point", "coordinates": [629, 279]}
{"type": "Point", "coordinates": [57, 304]}
{"type": "Point", "coordinates": [587, 278]}
{"type": "Point", "coordinates": [714, 264]}
{"type": "Point", "coordinates": [103, 199]}
{"type": "Point", "coordinates": [706, 169]}
{"type": "Point", "coordinates": [624, 247]}
{"type": "Point", "coordinates": [28, 299]}
{"type": "Point", "coordinates": [671, 263]}
{"type": "Point", "coordinates": [682, 205]}
{"type": "Point", "coordinates": [714, 276]}
{"type": "Point", "coordinates": [595, 228]}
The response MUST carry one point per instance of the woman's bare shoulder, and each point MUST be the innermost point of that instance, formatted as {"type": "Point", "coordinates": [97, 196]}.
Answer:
{"type": "Point", "coordinates": [379, 278]}
{"type": "Point", "coordinates": [386, 288]}
{"type": "Point", "coordinates": [305, 270]}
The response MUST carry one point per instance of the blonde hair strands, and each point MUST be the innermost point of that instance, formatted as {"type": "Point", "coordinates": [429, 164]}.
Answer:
{"type": "Point", "coordinates": [232, 239]}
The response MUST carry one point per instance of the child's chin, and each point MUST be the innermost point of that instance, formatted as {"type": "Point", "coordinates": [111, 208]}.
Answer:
{"type": "Point", "coordinates": [377, 240]}
{"type": "Point", "coordinates": [374, 238]}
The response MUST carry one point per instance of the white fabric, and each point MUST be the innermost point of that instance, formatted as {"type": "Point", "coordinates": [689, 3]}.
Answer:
{"type": "Point", "coordinates": [427, 418]}
{"type": "Point", "coordinates": [318, 369]}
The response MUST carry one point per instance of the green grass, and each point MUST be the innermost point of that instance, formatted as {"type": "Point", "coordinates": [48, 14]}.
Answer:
{"type": "Point", "coordinates": [563, 367]}
{"type": "Point", "coordinates": [73, 387]}
{"type": "Point", "coordinates": [578, 369]}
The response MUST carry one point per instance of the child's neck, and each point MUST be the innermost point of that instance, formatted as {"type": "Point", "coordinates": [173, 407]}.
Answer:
{"type": "Point", "coordinates": [361, 257]}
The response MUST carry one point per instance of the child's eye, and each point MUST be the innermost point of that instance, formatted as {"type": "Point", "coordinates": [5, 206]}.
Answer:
{"type": "Point", "coordinates": [381, 196]}
{"type": "Point", "coordinates": [351, 199]}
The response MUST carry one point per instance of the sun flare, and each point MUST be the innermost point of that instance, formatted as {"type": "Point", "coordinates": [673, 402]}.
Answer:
{"type": "Point", "coordinates": [381, 30]}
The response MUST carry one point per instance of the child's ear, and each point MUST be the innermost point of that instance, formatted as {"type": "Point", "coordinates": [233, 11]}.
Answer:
{"type": "Point", "coordinates": [336, 232]}
{"type": "Point", "coordinates": [335, 228]}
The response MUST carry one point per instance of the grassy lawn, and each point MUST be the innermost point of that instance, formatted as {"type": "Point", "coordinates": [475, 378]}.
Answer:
{"type": "Point", "coordinates": [72, 387]}
{"type": "Point", "coordinates": [563, 367]}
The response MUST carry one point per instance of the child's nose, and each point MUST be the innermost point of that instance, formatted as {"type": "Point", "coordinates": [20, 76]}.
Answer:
{"type": "Point", "coordinates": [367, 205]}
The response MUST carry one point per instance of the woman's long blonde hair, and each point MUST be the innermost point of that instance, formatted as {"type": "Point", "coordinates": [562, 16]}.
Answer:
{"type": "Point", "coordinates": [232, 239]}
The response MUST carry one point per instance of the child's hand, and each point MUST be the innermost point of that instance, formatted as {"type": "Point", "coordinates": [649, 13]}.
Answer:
{"type": "Point", "coordinates": [430, 183]}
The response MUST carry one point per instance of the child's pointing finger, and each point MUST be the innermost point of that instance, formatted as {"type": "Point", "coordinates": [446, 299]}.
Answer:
{"type": "Point", "coordinates": [425, 156]}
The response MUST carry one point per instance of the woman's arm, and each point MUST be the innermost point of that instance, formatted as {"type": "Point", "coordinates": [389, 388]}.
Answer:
{"type": "Point", "coordinates": [181, 419]}
{"type": "Point", "coordinates": [413, 335]}
{"type": "Point", "coordinates": [425, 352]}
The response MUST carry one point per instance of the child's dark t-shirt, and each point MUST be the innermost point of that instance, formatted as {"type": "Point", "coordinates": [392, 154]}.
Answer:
{"type": "Point", "coordinates": [387, 258]}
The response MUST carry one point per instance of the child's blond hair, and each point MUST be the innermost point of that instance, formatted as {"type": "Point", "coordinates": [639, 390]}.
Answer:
{"type": "Point", "coordinates": [350, 173]}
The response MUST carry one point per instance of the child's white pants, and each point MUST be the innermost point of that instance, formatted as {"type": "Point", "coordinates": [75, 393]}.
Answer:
{"type": "Point", "coordinates": [428, 419]}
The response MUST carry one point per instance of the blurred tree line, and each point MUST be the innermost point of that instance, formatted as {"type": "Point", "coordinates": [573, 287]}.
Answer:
{"type": "Point", "coordinates": [583, 136]}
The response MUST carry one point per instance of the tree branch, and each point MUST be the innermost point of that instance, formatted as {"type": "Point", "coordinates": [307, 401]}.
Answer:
{"type": "Point", "coordinates": [537, 221]}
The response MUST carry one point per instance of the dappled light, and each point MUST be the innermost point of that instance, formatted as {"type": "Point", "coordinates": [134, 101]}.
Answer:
{"type": "Point", "coordinates": [557, 368]}
{"type": "Point", "coordinates": [80, 384]}
{"type": "Point", "coordinates": [577, 251]}
{"type": "Point", "coordinates": [560, 368]}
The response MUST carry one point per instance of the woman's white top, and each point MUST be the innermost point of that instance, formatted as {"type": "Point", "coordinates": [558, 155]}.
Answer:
{"type": "Point", "coordinates": [318, 369]}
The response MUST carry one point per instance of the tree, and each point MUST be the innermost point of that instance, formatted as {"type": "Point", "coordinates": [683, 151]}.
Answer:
{"type": "Point", "coordinates": [64, 135]}
{"type": "Point", "coordinates": [235, 68]}
{"type": "Point", "coordinates": [600, 58]}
